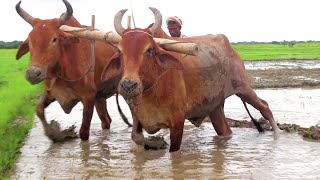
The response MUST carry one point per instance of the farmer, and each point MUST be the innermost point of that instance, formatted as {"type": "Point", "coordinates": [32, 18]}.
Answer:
{"type": "Point", "coordinates": [174, 26]}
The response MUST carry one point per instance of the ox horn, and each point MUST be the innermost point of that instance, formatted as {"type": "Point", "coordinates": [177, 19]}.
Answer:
{"type": "Point", "coordinates": [117, 21]}
{"type": "Point", "coordinates": [27, 17]}
{"type": "Point", "coordinates": [158, 20]}
{"type": "Point", "coordinates": [66, 15]}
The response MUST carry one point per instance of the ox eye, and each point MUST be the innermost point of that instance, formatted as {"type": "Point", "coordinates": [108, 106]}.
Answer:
{"type": "Point", "coordinates": [54, 39]}
{"type": "Point", "coordinates": [119, 52]}
{"type": "Point", "coordinates": [149, 52]}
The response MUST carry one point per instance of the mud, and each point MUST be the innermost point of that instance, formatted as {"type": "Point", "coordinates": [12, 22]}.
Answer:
{"type": "Point", "coordinates": [281, 74]}
{"type": "Point", "coordinates": [56, 134]}
{"type": "Point", "coordinates": [311, 133]}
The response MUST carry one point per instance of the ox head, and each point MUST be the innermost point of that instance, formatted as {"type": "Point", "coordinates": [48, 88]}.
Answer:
{"type": "Point", "coordinates": [44, 42]}
{"type": "Point", "coordinates": [140, 61]}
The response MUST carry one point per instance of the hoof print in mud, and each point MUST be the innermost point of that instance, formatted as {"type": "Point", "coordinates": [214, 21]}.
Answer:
{"type": "Point", "coordinates": [155, 143]}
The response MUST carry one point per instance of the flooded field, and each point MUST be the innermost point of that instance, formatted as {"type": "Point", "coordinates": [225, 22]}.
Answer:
{"type": "Point", "coordinates": [291, 64]}
{"type": "Point", "coordinates": [203, 155]}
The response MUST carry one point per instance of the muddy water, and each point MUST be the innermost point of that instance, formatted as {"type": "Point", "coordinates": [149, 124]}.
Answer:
{"type": "Point", "coordinates": [294, 106]}
{"type": "Point", "coordinates": [203, 155]}
{"type": "Point", "coordinates": [291, 64]}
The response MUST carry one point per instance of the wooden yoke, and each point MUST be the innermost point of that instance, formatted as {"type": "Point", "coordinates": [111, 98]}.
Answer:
{"type": "Point", "coordinates": [110, 37]}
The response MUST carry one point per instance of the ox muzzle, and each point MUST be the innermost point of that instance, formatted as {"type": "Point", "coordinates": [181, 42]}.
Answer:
{"type": "Point", "coordinates": [129, 88]}
{"type": "Point", "coordinates": [35, 74]}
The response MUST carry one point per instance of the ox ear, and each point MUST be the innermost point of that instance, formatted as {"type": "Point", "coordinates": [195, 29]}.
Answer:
{"type": "Point", "coordinates": [112, 69]}
{"type": "Point", "coordinates": [168, 61]}
{"type": "Point", "coordinates": [23, 49]}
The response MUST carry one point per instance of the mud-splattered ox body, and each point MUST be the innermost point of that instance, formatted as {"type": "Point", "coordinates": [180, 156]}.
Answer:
{"type": "Point", "coordinates": [163, 89]}
{"type": "Point", "coordinates": [62, 61]}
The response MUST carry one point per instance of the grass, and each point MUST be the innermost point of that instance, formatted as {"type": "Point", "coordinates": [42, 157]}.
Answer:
{"type": "Point", "coordinates": [17, 101]}
{"type": "Point", "coordinates": [305, 50]}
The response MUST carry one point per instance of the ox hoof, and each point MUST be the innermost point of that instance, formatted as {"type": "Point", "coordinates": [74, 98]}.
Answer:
{"type": "Point", "coordinates": [174, 147]}
{"type": "Point", "coordinates": [105, 126]}
{"type": "Point", "coordinates": [276, 133]}
{"type": "Point", "coordinates": [136, 148]}
{"type": "Point", "coordinates": [84, 137]}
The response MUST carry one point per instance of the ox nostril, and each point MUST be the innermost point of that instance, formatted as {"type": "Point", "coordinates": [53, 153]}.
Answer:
{"type": "Point", "coordinates": [34, 75]}
{"type": "Point", "coordinates": [129, 85]}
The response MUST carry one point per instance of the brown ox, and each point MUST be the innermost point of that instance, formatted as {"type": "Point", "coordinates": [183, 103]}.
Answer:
{"type": "Point", "coordinates": [197, 121]}
{"type": "Point", "coordinates": [163, 89]}
{"type": "Point", "coordinates": [62, 61]}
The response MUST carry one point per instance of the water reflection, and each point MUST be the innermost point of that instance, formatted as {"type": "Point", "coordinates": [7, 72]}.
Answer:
{"type": "Point", "coordinates": [218, 155]}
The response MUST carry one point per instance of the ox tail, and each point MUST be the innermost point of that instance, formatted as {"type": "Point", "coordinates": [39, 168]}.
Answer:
{"type": "Point", "coordinates": [125, 119]}
{"type": "Point", "coordinates": [255, 122]}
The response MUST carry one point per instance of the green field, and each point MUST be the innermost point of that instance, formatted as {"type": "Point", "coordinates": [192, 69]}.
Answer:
{"type": "Point", "coordinates": [17, 102]}
{"type": "Point", "coordinates": [307, 50]}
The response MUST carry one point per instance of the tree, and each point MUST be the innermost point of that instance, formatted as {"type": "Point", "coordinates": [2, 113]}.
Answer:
{"type": "Point", "coordinates": [9, 45]}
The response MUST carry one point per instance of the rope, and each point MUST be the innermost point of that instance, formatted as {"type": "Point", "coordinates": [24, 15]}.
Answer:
{"type": "Point", "coordinates": [105, 37]}
{"type": "Point", "coordinates": [74, 80]}
{"type": "Point", "coordinates": [134, 23]}
{"type": "Point", "coordinates": [159, 77]}
{"type": "Point", "coordinates": [137, 31]}
{"type": "Point", "coordinates": [157, 80]}
{"type": "Point", "coordinates": [90, 67]}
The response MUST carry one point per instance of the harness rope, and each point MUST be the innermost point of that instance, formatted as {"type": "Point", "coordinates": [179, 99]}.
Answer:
{"type": "Point", "coordinates": [159, 77]}
{"type": "Point", "coordinates": [91, 64]}
{"type": "Point", "coordinates": [156, 81]}
{"type": "Point", "coordinates": [74, 80]}
{"type": "Point", "coordinates": [90, 67]}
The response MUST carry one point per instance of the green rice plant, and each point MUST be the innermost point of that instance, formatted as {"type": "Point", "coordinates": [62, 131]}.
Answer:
{"type": "Point", "coordinates": [17, 107]}
{"type": "Point", "coordinates": [305, 50]}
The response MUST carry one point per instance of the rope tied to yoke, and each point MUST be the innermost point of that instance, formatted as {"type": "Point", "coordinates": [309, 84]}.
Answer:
{"type": "Point", "coordinates": [106, 37]}
{"type": "Point", "coordinates": [78, 79]}
{"type": "Point", "coordinates": [89, 68]}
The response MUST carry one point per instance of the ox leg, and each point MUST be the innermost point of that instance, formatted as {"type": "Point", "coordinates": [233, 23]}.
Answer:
{"type": "Point", "coordinates": [49, 130]}
{"type": "Point", "coordinates": [261, 105]}
{"type": "Point", "coordinates": [137, 137]}
{"type": "Point", "coordinates": [219, 121]}
{"type": "Point", "coordinates": [136, 134]}
{"type": "Point", "coordinates": [44, 102]}
{"type": "Point", "coordinates": [176, 132]}
{"type": "Point", "coordinates": [101, 107]}
{"type": "Point", "coordinates": [88, 106]}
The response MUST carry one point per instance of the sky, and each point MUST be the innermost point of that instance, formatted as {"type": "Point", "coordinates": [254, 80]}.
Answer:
{"type": "Point", "coordinates": [239, 20]}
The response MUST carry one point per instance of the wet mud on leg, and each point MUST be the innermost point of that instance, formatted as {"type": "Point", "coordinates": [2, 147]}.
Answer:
{"type": "Point", "coordinates": [53, 130]}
